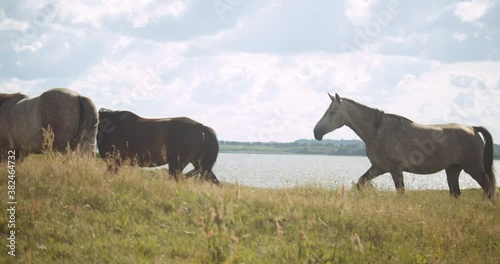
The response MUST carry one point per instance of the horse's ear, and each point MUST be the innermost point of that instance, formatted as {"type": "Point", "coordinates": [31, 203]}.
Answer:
{"type": "Point", "coordinates": [331, 97]}
{"type": "Point", "coordinates": [335, 99]}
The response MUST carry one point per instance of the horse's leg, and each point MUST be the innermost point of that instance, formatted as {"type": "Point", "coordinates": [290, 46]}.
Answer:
{"type": "Point", "coordinates": [196, 170]}
{"type": "Point", "coordinates": [113, 164]}
{"type": "Point", "coordinates": [371, 173]}
{"type": "Point", "coordinates": [173, 170]}
{"type": "Point", "coordinates": [192, 173]}
{"type": "Point", "coordinates": [397, 177]}
{"type": "Point", "coordinates": [479, 175]}
{"type": "Point", "coordinates": [176, 166]}
{"type": "Point", "coordinates": [113, 168]}
{"type": "Point", "coordinates": [452, 173]}
{"type": "Point", "coordinates": [210, 175]}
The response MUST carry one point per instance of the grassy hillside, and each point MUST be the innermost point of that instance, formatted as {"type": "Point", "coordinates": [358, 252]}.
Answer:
{"type": "Point", "coordinates": [70, 210]}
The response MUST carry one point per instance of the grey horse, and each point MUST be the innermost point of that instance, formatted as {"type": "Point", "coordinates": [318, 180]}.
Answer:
{"type": "Point", "coordinates": [395, 144]}
{"type": "Point", "coordinates": [72, 118]}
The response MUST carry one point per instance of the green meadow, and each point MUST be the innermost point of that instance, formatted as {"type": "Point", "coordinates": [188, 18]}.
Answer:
{"type": "Point", "coordinates": [71, 210]}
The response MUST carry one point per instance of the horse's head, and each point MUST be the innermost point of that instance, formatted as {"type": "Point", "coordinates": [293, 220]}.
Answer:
{"type": "Point", "coordinates": [107, 114]}
{"type": "Point", "coordinates": [333, 118]}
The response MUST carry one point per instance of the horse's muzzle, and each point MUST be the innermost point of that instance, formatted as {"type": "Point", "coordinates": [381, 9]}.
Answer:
{"type": "Point", "coordinates": [318, 135]}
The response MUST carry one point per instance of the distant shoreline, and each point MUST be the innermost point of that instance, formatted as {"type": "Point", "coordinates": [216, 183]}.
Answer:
{"type": "Point", "coordinates": [305, 147]}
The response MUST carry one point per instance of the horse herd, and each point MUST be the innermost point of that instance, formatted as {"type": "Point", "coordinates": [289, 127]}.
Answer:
{"type": "Point", "coordinates": [394, 144]}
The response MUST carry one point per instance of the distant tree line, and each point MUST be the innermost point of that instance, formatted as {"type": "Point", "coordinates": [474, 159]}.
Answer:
{"type": "Point", "coordinates": [306, 146]}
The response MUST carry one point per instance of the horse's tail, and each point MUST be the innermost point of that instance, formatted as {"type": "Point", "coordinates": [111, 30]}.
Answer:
{"type": "Point", "coordinates": [488, 161]}
{"type": "Point", "coordinates": [87, 126]}
{"type": "Point", "coordinates": [208, 154]}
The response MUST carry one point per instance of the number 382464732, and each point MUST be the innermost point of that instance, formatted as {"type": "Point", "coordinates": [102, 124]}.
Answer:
{"type": "Point", "coordinates": [11, 167]}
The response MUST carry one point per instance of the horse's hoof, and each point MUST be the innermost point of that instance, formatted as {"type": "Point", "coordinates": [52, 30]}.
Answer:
{"type": "Point", "coordinates": [360, 186]}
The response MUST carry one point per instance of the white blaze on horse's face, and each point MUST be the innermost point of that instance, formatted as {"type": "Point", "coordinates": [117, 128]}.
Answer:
{"type": "Point", "coordinates": [333, 118]}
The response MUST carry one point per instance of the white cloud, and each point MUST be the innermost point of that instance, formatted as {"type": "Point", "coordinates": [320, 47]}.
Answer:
{"type": "Point", "coordinates": [122, 83]}
{"type": "Point", "coordinates": [7, 24]}
{"type": "Point", "coordinates": [141, 18]}
{"type": "Point", "coordinates": [460, 36]}
{"type": "Point", "coordinates": [262, 73]}
{"type": "Point", "coordinates": [35, 46]}
{"type": "Point", "coordinates": [122, 43]}
{"type": "Point", "coordinates": [133, 77]}
{"type": "Point", "coordinates": [77, 32]}
{"type": "Point", "coordinates": [471, 11]}
{"type": "Point", "coordinates": [140, 13]}
{"type": "Point", "coordinates": [15, 85]}
{"type": "Point", "coordinates": [422, 98]}
{"type": "Point", "coordinates": [359, 11]}
{"type": "Point", "coordinates": [461, 92]}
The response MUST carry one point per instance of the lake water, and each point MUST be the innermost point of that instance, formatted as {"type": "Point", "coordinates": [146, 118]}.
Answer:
{"type": "Point", "coordinates": [281, 171]}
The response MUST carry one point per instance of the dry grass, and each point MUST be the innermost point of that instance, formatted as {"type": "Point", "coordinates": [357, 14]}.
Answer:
{"type": "Point", "coordinates": [71, 210]}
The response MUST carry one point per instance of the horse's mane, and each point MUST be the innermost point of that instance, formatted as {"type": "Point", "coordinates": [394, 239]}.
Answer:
{"type": "Point", "coordinates": [116, 113]}
{"type": "Point", "coordinates": [379, 114]}
{"type": "Point", "coordinates": [105, 110]}
{"type": "Point", "coordinates": [400, 117]}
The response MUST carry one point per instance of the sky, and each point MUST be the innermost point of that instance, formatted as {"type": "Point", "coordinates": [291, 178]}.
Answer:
{"type": "Point", "coordinates": [258, 70]}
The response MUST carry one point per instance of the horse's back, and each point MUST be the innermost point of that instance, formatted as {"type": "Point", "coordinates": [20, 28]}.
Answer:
{"type": "Point", "coordinates": [466, 140]}
{"type": "Point", "coordinates": [132, 137]}
{"type": "Point", "coordinates": [453, 143]}
{"type": "Point", "coordinates": [184, 124]}
{"type": "Point", "coordinates": [60, 109]}
{"type": "Point", "coordinates": [184, 130]}
{"type": "Point", "coordinates": [151, 141]}
{"type": "Point", "coordinates": [458, 134]}
{"type": "Point", "coordinates": [424, 149]}
{"type": "Point", "coordinates": [182, 137]}
{"type": "Point", "coordinates": [64, 92]}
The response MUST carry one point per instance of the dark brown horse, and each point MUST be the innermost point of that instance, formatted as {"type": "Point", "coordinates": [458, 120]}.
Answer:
{"type": "Point", "coordinates": [395, 144]}
{"type": "Point", "coordinates": [124, 136]}
{"type": "Point", "coordinates": [71, 117]}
